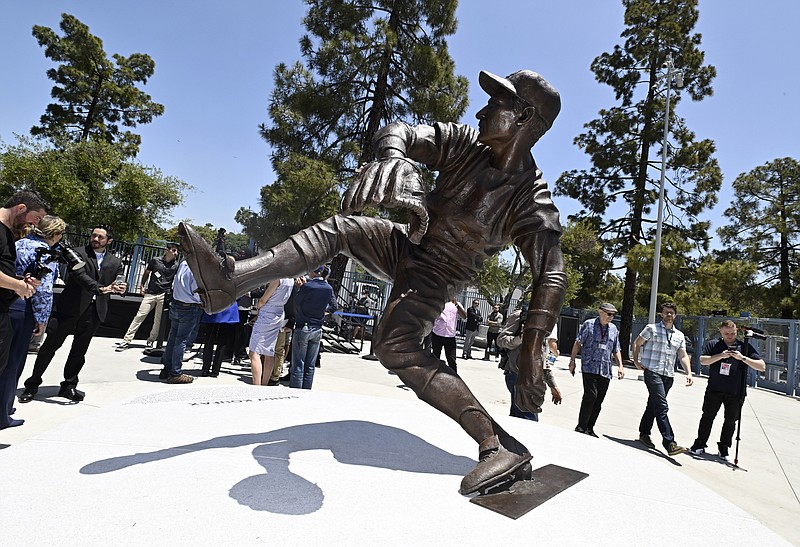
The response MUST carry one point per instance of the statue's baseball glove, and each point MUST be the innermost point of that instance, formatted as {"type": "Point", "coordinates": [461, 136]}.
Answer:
{"type": "Point", "coordinates": [392, 183]}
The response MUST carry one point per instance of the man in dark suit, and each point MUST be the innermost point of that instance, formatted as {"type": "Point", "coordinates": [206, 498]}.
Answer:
{"type": "Point", "coordinates": [79, 310]}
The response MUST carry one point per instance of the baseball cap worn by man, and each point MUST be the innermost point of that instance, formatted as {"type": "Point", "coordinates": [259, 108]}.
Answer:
{"type": "Point", "coordinates": [608, 307]}
{"type": "Point", "coordinates": [528, 86]}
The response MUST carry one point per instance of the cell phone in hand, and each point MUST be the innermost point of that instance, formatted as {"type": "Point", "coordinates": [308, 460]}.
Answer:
{"type": "Point", "coordinates": [120, 280]}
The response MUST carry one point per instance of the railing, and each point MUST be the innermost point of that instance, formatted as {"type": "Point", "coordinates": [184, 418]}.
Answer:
{"type": "Point", "coordinates": [353, 283]}
{"type": "Point", "coordinates": [779, 350]}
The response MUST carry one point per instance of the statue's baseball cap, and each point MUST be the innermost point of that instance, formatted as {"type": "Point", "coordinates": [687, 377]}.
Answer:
{"type": "Point", "coordinates": [528, 86]}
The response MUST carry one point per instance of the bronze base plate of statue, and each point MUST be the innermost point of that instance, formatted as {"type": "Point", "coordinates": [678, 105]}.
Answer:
{"type": "Point", "coordinates": [488, 194]}
{"type": "Point", "coordinates": [521, 493]}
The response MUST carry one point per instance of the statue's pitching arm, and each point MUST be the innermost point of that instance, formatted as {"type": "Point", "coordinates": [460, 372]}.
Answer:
{"type": "Point", "coordinates": [394, 180]}
{"type": "Point", "coordinates": [549, 286]}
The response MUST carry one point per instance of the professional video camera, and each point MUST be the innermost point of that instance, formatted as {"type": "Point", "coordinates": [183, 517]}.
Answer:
{"type": "Point", "coordinates": [58, 252]}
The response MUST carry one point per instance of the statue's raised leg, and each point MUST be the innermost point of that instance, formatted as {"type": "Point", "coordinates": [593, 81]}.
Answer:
{"type": "Point", "coordinates": [221, 281]}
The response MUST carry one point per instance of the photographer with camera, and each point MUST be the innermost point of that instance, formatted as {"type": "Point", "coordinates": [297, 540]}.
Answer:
{"type": "Point", "coordinates": [728, 361]}
{"type": "Point", "coordinates": [79, 310]}
{"type": "Point", "coordinates": [29, 316]}
{"type": "Point", "coordinates": [23, 209]}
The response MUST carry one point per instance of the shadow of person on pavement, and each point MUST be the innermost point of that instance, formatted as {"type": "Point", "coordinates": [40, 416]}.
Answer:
{"type": "Point", "coordinates": [633, 443]}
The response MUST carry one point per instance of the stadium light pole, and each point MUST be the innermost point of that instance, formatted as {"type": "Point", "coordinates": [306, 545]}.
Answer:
{"type": "Point", "coordinates": [678, 75]}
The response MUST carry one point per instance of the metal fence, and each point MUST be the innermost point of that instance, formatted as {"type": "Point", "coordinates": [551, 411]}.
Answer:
{"type": "Point", "coordinates": [353, 283]}
{"type": "Point", "coordinates": [779, 350]}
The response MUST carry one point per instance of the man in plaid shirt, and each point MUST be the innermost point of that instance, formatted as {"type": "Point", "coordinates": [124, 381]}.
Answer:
{"type": "Point", "coordinates": [659, 345]}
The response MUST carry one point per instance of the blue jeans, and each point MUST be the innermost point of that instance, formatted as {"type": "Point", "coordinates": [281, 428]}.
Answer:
{"type": "Point", "coordinates": [516, 412]}
{"type": "Point", "coordinates": [305, 347]}
{"type": "Point", "coordinates": [184, 322]}
{"type": "Point", "coordinates": [657, 387]}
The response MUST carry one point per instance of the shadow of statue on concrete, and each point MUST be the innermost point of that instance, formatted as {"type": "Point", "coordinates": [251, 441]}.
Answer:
{"type": "Point", "coordinates": [281, 491]}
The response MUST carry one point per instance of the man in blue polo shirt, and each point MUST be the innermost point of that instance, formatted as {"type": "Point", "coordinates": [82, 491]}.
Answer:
{"type": "Point", "coordinates": [312, 301]}
{"type": "Point", "coordinates": [598, 341]}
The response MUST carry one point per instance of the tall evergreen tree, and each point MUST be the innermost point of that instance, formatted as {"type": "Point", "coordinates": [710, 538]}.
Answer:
{"type": "Point", "coordinates": [364, 65]}
{"type": "Point", "coordinates": [94, 95]}
{"type": "Point", "coordinates": [624, 143]}
{"type": "Point", "coordinates": [764, 228]}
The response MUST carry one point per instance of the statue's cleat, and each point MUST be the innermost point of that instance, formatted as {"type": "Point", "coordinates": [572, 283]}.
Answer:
{"type": "Point", "coordinates": [496, 466]}
{"type": "Point", "coordinates": [213, 274]}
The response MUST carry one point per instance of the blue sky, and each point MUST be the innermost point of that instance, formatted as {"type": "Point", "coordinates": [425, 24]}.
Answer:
{"type": "Point", "coordinates": [214, 64]}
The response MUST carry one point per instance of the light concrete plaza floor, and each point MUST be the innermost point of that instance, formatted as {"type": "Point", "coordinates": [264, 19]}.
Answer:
{"type": "Point", "coordinates": [359, 460]}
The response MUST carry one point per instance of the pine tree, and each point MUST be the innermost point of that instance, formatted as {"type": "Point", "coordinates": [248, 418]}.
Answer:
{"type": "Point", "coordinates": [364, 65]}
{"type": "Point", "coordinates": [624, 143]}
{"type": "Point", "coordinates": [94, 95]}
{"type": "Point", "coordinates": [764, 228]}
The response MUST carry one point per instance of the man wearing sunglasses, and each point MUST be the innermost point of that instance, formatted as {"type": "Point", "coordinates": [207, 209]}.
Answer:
{"type": "Point", "coordinates": [598, 341]}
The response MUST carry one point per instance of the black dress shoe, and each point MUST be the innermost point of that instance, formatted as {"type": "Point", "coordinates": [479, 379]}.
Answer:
{"type": "Point", "coordinates": [27, 396]}
{"type": "Point", "coordinates": [204, 373]}
{"type": "Point", "coordinates": [70, 393]}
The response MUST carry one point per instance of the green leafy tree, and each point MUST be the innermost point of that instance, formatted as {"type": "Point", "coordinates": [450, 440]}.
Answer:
{"type": "Point", "coordinates": [93, 182]}
{"type": "Point", "coordinates": [674, 271]}
{"type": "Point", "coordinates": [624, 143]}
{"type": "Point", "coordinates": [764, 227]}
{"type": "Point", "coordinates": [365, 65]}
{"type": "Point", "coordinates": [236, 244]}
{"type": "Point", "coordinates": [586, 262]}
{"type": "Point", "coordinates": [721, 284]}
{"type": "Point", "coordinates": [304, 194]}
{"type": "Point", "coordinates": [207, 231]}
{"type": "Point", "coordinates": [494, 279]}
{"type": "Point", "coordinates": [94, 96]}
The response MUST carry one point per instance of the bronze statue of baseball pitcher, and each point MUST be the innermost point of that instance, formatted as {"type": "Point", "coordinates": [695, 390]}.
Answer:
{"type": "Point", "coordinates": [488, 194]}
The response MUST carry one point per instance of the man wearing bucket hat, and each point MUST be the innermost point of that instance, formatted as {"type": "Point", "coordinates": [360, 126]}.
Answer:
{"type": "Point", "coordinates": [488, 193]}
{"type": "Point", "coordinates": [598, 342]}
